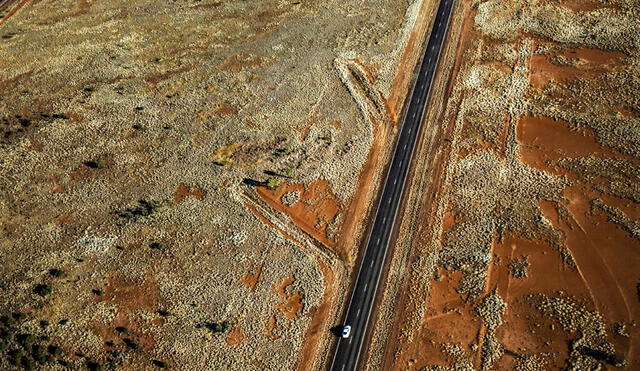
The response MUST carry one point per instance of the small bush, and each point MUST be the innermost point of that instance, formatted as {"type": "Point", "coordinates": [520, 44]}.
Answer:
{"type": "Point", "coordinates": [42, 289]}
{"type": "Point", "coordinates": [158, 364]}
{"type": "Point", "coordinates": [284, 150]}
{"type": "Point", "coordinates": [289, 172]}
{"type": "Point", "coordinates": [98, 164]}
{"type": "Point", "coordinates": [122, 330]}
{"type": "Point", "coordinates": [56, 273]}
{"type": "Point", "coordinates": [130, 344]}
{"type": "Point", "coordinates": [272, 183]}
{"type": "Point", "coordinates": [218, 327]}
{"type": "Point", "coordinates": [143, 209]}
{"type": "Point", "coordinates": [54, 350]}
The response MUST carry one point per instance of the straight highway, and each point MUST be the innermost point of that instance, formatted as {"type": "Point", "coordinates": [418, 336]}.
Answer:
{"type": "Point", "coordinates": [363, 296]}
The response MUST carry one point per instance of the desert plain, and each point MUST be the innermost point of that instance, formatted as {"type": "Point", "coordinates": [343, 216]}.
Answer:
{"type": "Point", "coordinates": [188, 184]}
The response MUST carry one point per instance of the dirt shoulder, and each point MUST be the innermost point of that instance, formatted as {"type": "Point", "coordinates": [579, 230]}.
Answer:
{"type": "Point", "coordinates": [521, 249]}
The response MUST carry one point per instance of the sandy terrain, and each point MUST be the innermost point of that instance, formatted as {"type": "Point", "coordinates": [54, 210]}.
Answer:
{"type": "Point", "coordinates": [520, 245]}
{"type": "Point", "coordinates": [185, 184]}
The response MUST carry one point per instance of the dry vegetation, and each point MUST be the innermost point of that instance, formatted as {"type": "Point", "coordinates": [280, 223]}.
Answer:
{"type": "Point", "coordinates": [177, 178]}
{"type": "Point", "coordinates": [525, 253]}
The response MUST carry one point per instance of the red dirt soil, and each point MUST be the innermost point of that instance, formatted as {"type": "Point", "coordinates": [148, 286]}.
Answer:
{"type": "Point", "coordinates": [315, 208]}
{"type": "Point", "coordinates": [183, 191]}
{"type": "Point", "coordinates": [251, 278]}
{"type": "Point", "coordinates": [292, 301]}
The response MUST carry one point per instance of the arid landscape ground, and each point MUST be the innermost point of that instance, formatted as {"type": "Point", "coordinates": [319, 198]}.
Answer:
{"type": "Point", "coordinates": [186, 184]}
{"type": "Point", "coordinates": [520, 246]}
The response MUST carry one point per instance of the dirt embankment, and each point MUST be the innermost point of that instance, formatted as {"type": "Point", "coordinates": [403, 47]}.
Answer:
{"type": "Point", "coordinates": [524, 252]}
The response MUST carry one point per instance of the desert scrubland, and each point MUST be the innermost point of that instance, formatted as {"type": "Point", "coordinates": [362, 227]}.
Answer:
{"type": "Point", "coordinates": [520, 245]}
{"type": "Point", "coordinates": [185, 184]}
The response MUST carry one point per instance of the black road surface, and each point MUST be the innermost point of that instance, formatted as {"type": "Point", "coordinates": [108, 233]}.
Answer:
{"type": "Point", "coordinates": [364, 292]}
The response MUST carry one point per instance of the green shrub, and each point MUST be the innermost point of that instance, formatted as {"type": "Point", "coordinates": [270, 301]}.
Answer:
{"type": "Point", "coordinates": [272, 183]}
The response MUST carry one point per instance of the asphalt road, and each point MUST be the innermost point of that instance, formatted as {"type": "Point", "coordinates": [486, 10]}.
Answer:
{"type": "Point", "coordinates": [364, 293]}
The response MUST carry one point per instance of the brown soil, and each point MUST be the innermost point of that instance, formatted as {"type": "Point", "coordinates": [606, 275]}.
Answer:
{"type": "Point", "coordinates": [235, 336]}
{"type": "Point", "coordinates": [315, 208]}
{"type": "Point", "coordinates": [580, 63]}
{"type": "Point", "coordinates": [271, 325]}
{"type": "Point", "coordinates": [131, 296]}
{"type": "Point", "coordinates": [292, 300]}
{"type": "Point", "coordinates": [183, 191]}
{"type": "Point", "coordinates": [543, 139]}
{"type": "Point", "coordinates": [359, 205]}
{"type": "Point", "coordinates": [251, 278]}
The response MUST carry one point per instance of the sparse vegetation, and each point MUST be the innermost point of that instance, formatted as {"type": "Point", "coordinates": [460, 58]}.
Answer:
{"type": "Point", "coordinates": [143, 209]}
{"type": "Point", "coordinates": [158, 363]}
{"type": "Point", "coordinates": [518, 267]}
{"type": "Point", "coordinates": [217, 327]}
{"type": "Point", "coordinates": [54, 272]}
{"type": "Point", "coordinates": [26, 350]}
{"type": "Point", "coordinates": [98, 164]}
{"type": "Point", "coordinates": [130, 344]}
{"type": "Point", "coordinates": [156, 246]}
{"type": "Point", "coordinates": [42, 289]}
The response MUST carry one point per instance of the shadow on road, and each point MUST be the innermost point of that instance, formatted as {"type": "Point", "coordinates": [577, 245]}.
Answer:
{"type": "Point", "coordinates": [337, 330]}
